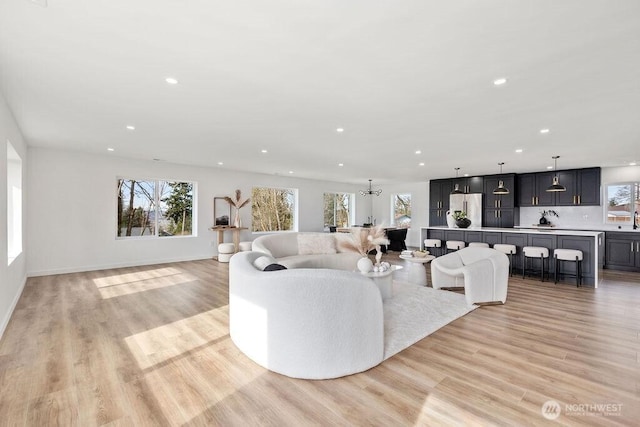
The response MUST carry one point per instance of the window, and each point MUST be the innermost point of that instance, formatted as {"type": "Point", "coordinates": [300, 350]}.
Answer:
{"type": "Point", "coordinates": [337, 209]}
{"type": "Point", "coordinates": [401, 210]}
{"type": "Point", "coordinates": [154, 208]}
{"type": "Point", "coordinates": [623, 201]}
{"type": "Point", "coordinates": [273, 209]}
{"type": "Point", "coordinates": [14, 203]}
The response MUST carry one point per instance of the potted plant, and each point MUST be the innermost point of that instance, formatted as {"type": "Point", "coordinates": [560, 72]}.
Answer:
{"type": "Point", "coordinates": [543, 216]}
{"type": "Point", "coordinates": [461, 219]}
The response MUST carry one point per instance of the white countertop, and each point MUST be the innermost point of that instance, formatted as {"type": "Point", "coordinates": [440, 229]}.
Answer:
{"type": "Point", "coordinates": [587, 233]}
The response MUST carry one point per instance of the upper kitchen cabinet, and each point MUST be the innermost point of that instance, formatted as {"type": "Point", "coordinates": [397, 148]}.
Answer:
{"type": "Point", "coordinates": [583, 188]}
{"type": "Point", "coordinates": [439, 190]}
{"type": "Point", "coordinates": [469, 185]}
{"type": "Point", "coordinates": [498, 201]}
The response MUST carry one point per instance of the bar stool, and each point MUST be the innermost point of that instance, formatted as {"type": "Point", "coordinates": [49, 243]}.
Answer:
{"type": "Point", "coordinates": [225, 250]}
{"type": "Point", "coordinates": [454, 245]}
{"type": "Point", "coordinates": [535, 252]}
{"type": "Point", "coordinates": [571, 255]}
{"type": "Point", "coordinates": [433, 244]}
{"type": "Point", "coordinates": [508, 250]}
{"type": "Point", "coordinates": [478, 245]}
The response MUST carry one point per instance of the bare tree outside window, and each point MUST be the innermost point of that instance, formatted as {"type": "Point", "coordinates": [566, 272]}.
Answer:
{"type": "Point", "coordinates": [337, 209]}
{"type": "Point", "coordinates": [623, 201]}
{"type": "Point", "coordinates": [273, 209]}
{"type": "Point", "coordinates": [402, 210]}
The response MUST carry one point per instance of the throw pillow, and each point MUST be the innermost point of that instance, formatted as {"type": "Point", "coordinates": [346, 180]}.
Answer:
{"type": "Point", "coordinates": [316, 244]}
{"type": "Point", "coordinates": [263, 261]}
{"type": "Point", "coordinates": [274, 267]}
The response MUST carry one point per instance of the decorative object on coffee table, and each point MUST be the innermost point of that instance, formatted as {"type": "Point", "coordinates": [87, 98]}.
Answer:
{"type": "Point", "coordinates": [238, 205]}
{"type": "Point", "coordinates": [365, 240]}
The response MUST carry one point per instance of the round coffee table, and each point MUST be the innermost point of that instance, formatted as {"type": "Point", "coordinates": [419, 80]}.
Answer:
{"type": "Point", "coordinates": [383, 280]}
{"type": "Point", "coordinates": [417, 271]}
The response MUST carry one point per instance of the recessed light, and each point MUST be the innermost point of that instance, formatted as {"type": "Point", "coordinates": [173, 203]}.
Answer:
{"type": "Point", "coordinates": [220, 163]}
{"type": "Point", "coordinates": [519, 150]}
{"type": "Point", "coordinates": [340, 130]}
{"type": "Point", "coordinates": [157, 160]}
{"type": "Point", "coordinates": [549, 167]}
{"type": "Point", "coordinates": [340, 164]}
{"type": "Point", "coordinates": [171, 80]}
{"type": "Point", "coordinates": [632, 164]}
{"type": "Point", "coordinates": [500, 81]}
{"type": "Point", "coordinates": [290, 171]}
{"type": "Point", "coordinates": [418, 151]}
{"type": "Point", "coordinates": [421, 164]}
{"type": "Point", "coordinates": [466, 174]}
{"type": "Point", "coordinates": [543, 131]}
{"type": "Point", "coordinates": [130, 127]}
{"type": "Point", "coordinates": [263, 151]}
{"type": "Point", "coordinates": [110, 149]}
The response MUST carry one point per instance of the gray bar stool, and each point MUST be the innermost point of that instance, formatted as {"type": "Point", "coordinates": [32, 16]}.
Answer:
{"type": "Point", "coordinates": [535, 252]}
{"type": "Point", "coordinates": [571, 255]}
{"type": "Point", "coordinates": [433, 244]}
{"type": "Point", "coordinates": [508, 250]}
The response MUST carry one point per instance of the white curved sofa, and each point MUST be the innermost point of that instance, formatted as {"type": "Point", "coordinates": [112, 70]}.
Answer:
{"type": "Point", "coordinates": [308, 250]}
{"type": "Point", "coordinates": [483, 272]}
{"type": "Point", "coordinates": [310, 323]}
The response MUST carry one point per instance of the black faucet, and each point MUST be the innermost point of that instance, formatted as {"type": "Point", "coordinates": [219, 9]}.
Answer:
{"type": "Point", "coordinates": [635, 220]}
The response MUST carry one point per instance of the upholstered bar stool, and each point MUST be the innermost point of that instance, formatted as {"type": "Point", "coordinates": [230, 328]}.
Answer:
{"type": "Point", "coordinates": [508, 250]}
{"type": "Point", "coordinates": [478, 245]}
{"type": "Point", "coordinates": [225, 250]}
{"type": "Point", "coordinates": [454, 245]}
{"type": "Point", "coordinates": [571, 255]}
{"type": "Point", "coordinates": [433, 244]}
{"type": "Point", "coordinates": [535, 252]}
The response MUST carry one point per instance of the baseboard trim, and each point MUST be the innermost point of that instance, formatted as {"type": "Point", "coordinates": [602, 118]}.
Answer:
{"type": "Point", "coordinates": [81, 269]}
{"type": "Point", "coordinates": [14, 303]}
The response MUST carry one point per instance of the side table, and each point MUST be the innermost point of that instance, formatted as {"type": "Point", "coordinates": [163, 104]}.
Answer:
{"type": "Point", "coordinates": [417, 271]}
{"type": "Point", "coordinates": [384, 280]}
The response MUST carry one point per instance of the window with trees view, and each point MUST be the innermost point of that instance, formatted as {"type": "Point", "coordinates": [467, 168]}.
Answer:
{"type": "Point", "coordinates": [154, 208]}
{"type": "Point", "coordinates": [273, 209]}
{"type": "Point", "coordinates": [401, 206]}
{"type": "Point", "coordinates": [337, 209]}
{"type": "Point", "coordinates": [623, 202]}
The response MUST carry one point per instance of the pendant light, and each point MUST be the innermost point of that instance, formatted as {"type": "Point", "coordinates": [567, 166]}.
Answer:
{"type": "Point", "coordinates": [501, 188]}
{"type": "Point", "coordinates": [555, 186]}
{"type": "Point", "coordinates": [456, 188]}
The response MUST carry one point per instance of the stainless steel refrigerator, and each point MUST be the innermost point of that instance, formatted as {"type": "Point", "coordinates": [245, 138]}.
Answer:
{"type": "Point", "coordinates": [469, 203]}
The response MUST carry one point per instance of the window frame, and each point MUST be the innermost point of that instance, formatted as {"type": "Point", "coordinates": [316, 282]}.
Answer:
{"type": "Point", "coordinates": [634, 202]}
{"type": "Point", "coordinates": [350, 209]}
{"type": "Point", "coordinates": [294, 210]}
{"type": "Point", "coordinates": [157, 203]}
{"type": "Point", "coordinates": [393, 209]}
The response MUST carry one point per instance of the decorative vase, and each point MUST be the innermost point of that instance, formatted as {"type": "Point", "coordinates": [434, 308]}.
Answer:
{"type": "Point", "coordinates": [236, 220]}
{"type": "Point", "coordinates": [365, 265]}
{"type": "Point", "coordinates": [544, 220]}
{"type": "Point", "coordinates": [378, 254]}
{"type": "Point", "coordinates": [450, 221]}
{"type": "Point", "coordinates": [463, 222]}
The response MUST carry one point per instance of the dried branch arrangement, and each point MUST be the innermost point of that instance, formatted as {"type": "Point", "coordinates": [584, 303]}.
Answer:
{"type": "Point", "coordinates": [236, 203]}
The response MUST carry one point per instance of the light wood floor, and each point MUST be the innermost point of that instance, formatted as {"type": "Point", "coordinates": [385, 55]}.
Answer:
{"type": "Point", "coordinates": [150, 346]}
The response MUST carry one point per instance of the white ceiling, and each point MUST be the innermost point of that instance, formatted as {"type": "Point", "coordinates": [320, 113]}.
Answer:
{"type": "Point", "coordinates": [283, 75]}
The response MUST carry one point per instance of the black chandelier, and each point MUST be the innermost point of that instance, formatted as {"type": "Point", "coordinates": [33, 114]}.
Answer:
{"type": "Point", "coordinates": [370, 192]}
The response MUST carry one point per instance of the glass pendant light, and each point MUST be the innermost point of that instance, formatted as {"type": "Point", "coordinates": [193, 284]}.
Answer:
{"type": "Point", "coordinates": [555, 186]}
{"type": "Point", "coordinates": [501, 188]}
{"type": "Point", "coordinates": [456, 188]}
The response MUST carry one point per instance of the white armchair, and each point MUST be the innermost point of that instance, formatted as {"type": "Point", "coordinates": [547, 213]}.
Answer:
{"type": "Point", "coordinates": [483, 272]}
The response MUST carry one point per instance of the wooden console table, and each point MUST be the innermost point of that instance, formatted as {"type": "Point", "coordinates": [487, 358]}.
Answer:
{"type": "Point", "coordinates": [236, 234]}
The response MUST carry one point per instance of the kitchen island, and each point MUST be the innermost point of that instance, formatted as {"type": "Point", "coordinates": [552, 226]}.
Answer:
{"type": "Point", "coordinates": [591, 243]}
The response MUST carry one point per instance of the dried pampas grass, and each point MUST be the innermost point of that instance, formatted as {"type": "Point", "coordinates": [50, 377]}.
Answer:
{"type": "Point", "coordinates": [236, 203]}
{"type": "Point", "coordinates": [364, 240]}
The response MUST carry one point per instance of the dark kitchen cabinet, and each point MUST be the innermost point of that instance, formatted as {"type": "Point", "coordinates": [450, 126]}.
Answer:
{"type": "Point", "coordinates": [589, 187]}
{"type": "Point", "coordinates": [468, 185]}
{"type": "Point", "coordinates": [583, 188]}
{"type": "Point", "coordinates": [491, 237]}
{"type": "Point", "coordinates": [499, 218]}
{"type": "Point", "coordinates": [519, 240]}
{"type": "Point", "coordinates": [532, 189]}
{"type": "Point", "coordinates": [622, 251]}
{"type": "Point", "coordinates": [584, 244]}
{"type": "Point", "coordinates": [439, 191]}
{"type": "Point", "coordinates": [499, 209]}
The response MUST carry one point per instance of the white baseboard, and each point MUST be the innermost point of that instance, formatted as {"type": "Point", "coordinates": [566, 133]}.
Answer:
{"type": "Point", "coordinates": [80, 269]}
{"type": "Point", "coordinates": [7, 317]}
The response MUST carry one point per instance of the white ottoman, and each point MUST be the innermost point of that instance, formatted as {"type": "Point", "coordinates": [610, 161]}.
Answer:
{"type": "Point", "coordinates": [225, 250]}
{"type": "Point", "coordinates": [244, 246]}
{"type": "Point", "coordinates": [478, 245]}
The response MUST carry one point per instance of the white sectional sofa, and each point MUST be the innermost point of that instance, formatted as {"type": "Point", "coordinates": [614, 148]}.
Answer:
{"type": "Point", "coordinates": [312, 323]}
{"type": "Point", "coordinates": [308, 250]}
{"type": "Point", "coordinates": [483, 272]}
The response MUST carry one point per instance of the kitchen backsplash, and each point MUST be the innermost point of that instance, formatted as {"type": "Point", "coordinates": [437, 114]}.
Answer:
{"type": "Point", "coordinates": [579, 217]}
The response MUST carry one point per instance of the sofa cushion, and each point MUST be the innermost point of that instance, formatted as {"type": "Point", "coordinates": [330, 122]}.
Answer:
{"type": "Point", "coordinates": [316, 244]}
{"type": "Point", "coordinates": [264, 261]}
{"type": "Point", "coordinates": [274, 267]}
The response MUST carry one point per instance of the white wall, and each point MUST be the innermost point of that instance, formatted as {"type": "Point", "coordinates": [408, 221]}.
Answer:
{"type": "Point", "coordinates": [12, 277]}
{"type": "Point", "coordinates": [71, 209]}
